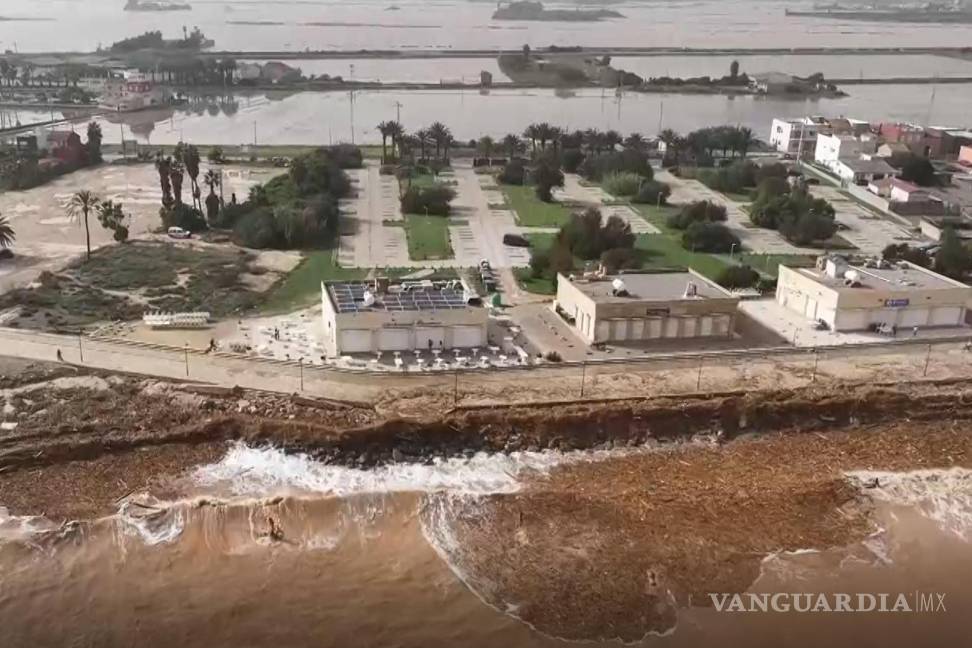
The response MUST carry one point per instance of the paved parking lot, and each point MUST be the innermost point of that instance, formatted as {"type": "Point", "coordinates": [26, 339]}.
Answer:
{"type": "Point", "coordinates": [866, 230]}
{"type": "Point", "coordinates": [575, 192]}
{"type": "Point", "coordinates": [755, 239]}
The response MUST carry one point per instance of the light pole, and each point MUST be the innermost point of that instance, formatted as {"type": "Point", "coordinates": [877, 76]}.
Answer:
{"type": "Point", "coordinates": [187, 359]}
{"type": "Point", "coordinates": [300, 362]}
{"type": "Point", "coordinates": [80, 350]}
{"type": "Point", "coordinates": [731, 250]}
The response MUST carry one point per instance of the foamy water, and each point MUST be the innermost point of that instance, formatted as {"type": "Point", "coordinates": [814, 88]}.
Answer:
{"type": "Point", "coordinates": [265, 472]}
{"type": "Point", "coordinates": [944, 496]}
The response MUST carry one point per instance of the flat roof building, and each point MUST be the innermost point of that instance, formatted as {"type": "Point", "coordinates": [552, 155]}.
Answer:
{"type": "Point", "coordinates": [857, 298]}
{"type": "Point", "coordinates": [373, 316]}
{"type": "Point", "coordinates": [640, 307]}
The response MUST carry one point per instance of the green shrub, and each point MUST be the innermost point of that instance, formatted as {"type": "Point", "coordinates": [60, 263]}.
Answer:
{"type": "Point", "coordinates": [738, 277]}
{"type": "Point", "coordinates": [257, 229]}
{"type": "Point", "coordinates": [622, 183]}
{"type": "Point", "coordinates": [571, 159]}
{"type": "Point", "coordinates": [653, 192]}
{"type": "Point", "coordinates": [597, 167]}
{"type": "Point", "coordinates": [620, 259]}
{"type": "Point", "coordinates": [514, 173]}
{"type": "Point", "coordinates": [702, 211]}
{"type": "Point", "coordinates": [433, 200]}
{"type": "Point", "coordinates": [184, 216]}
{"type": "Point", "coordinates": [709, 237]}
{"type": "Point", "coordinates": [588, 237]}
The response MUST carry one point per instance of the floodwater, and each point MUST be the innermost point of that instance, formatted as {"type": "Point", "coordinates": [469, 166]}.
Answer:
{"type": "Point", "coordinates": [376, 558]}
{"type": "Point", "coordinates": [334, 24]}
{"type": "Point", "coordinates": [299, 118]}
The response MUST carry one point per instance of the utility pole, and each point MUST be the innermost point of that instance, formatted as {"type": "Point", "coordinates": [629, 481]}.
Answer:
{"type": "Point", "coordinates": [455, 390]}
{"type": "Point", "coordinates": [254, 133]}
{"type": "Point", "coordinates": [398, 111]}
{"type": "Point", "coordinates": [698, 381]}
{"type": "Point", "coordinates": [927, 360]}
{"type": "Point", "coordinates": [301, 363]}
{"type": "Point", "coordinates": [80, 350]}
{"type": "Point", "coordinates": [583, 377]}
{"type": "Point", "coordinates": [187, 359]}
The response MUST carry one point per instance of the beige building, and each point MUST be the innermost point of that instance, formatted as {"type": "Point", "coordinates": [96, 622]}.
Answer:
{"type": "Point", "coordinates": [856, 298]}
{"type": "Point", "coordinates": [368, 317]}
{"type": "Point", "coordinates": [639, 307]}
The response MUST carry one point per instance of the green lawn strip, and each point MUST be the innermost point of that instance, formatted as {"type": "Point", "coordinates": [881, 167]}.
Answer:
{"type": "Point", "coordinates": [535, 285]}
{"type": "Point", "coordinates": [427, 236]}
{"type": "Point", "coordinates": [531, 211]}
{"type": "Point", "coordinates": [302, 286]}
{"type": "Point", "coordinates": [660, 252]}
{"type": "Point", "coordinates": [768, 264]}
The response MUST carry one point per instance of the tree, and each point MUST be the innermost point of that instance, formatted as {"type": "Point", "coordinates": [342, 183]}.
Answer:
{"type": "Point", "coordinates": [485, 145]}
{"type": "Point", "coordinates": [741, 276]}
{"type": "Point", "coordinates": [112, 217]}
{"type": "Point", "coordinates": [176, 176]}
{"type": "Point", "coordinates": [702, 211]}
{"type": "Point", "coordinates": [734, 70]}
{"type": "Point", "coordinates": [81, 204]}
{"type": "Point", "coordinates": [163, 165]}
{"type": "Point", "coordinates": [216, 155]}
{"type": "Point", "coordinates": [94, 142]}
{"type": "Point", "coordinates": [513, 145]}
{"type": "Point", "coordinates": [385, 130]}
{"type": "Point", "coordinates": [191, 160]}
{"type": "Point", "coordinates": [953, 258]}
{"type": "Point", "coordinates": [7, 236]}
{"type": "Point", "coordinates": [514, 173]}
{"type": "Point", "coordinates": [442, 136]}
{"type": "Point", "coordinates": [546, 176]}
{"type": "Point", "coordinates": [212, 180]}
{"type": "Point", "coordinates": [396, 132]}
{"type": "Point", "coordinates": [904, 252]}
{"type": "Point", "coordinates": [919, 170]}
{"type": "Point", "coordinates": [635, 142]}
{"type": "Point", "coordinates": [709, 237]}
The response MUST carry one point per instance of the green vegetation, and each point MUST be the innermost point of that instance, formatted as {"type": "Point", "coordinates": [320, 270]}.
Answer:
{"type": "Point", "coordinates": [428, 237]}
{"type": "Point", "coordinates": [531, 211]}
{"type": "Point", "coordinates": [769, 264]}
{"type": "Point", "coordinates": [302, 286]}
{"type": "Point", "coordinates": [533, 284]}
{"type": "Point", "coordinates": [664, 253]}
{"type": "Point", "coordinates": [801, 218]}
{"type": "Point", "coordinates": [20, 170]}
{"type": "Point", "coordinates": [623, 183]}
{"type": "Point", "coordinates": [157, 276]}
{"type": "Point", "coordinates": [7, 235]}
{"type": "Point", "coordinates": [953, 259]}
{"type": "Point", "coordinates": [919, 170]}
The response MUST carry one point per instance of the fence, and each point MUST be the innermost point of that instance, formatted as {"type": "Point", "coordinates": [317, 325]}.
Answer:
{"type": "Point", "coordinates": [424, 391]}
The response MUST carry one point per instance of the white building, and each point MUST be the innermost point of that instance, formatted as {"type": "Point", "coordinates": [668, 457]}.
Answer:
{"type": "Point", "coordinates": [368, 317]}
{"type": "Point", "coordinates": [862, 171]}
{"type": "Point", "coordinates": [134, 92]}
{"type": "Point", "coordinates": [856, 298]}
{"type": "Point", "coordinates": [641, 307]}
{"type": "Point", "coordinates": [831, 148]}
{"type": "Point", "coordinates": [795, 137]}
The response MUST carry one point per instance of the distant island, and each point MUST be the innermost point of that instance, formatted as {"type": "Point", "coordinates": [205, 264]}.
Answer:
{"type": "Point", "coordinates": [145, 5]}
{"type": "Point", "coordinates": [534, 11]}
{"type": "Point", "coordinates": [906, 13]}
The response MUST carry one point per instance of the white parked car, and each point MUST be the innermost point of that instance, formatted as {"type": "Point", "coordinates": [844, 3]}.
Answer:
{"type": "Point", "coordinates": [179, 233]}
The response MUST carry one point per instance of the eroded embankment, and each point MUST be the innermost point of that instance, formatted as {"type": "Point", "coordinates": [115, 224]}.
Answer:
{"type": "Point", "coordinates": [100, 439]}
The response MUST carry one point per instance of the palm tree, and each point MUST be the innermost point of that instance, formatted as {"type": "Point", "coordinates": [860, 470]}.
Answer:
{"type": "Point", "coordinates": [635, 142]}
{"type": "Point", "coordinates": [673, 142]}
{"type": "Point", "coordinates": [512, 144]}
{"type": "Point", "coordinates": [612, 138]}
{"type": "Point", "coordinates": [7, 235]}
{"type": "Point", "coordinates": [213, 203]}
{"type": "Point", "coordinates": [556, 135]}
{"type": "Point", "coordinates": [594, 140]}
{"type": "Point", "coordinates": [486, 145]}
{"type": "Point", "coordinates": [532, 133]}
{"type": "Point", "coordinates": [176, 176]}
{"type": "Point", "coordinates": [423, 137]}
{"type": "Point", "coordinates": [163, 165]}
{"type": "Point", "coordinates": [396, 131]}
{"type": "Point", "coordinates": [544, 134]}
{"type": "Point", "coordinates": [81, 204]}
{"type": "Point", "coordinates": [191, 159]}
{"type": "Point", "coordinates": [441, 135]}
{"type": "Point", "coordinates": [744, 140]}
{"type": "Point", "coordinates": [385, 131]}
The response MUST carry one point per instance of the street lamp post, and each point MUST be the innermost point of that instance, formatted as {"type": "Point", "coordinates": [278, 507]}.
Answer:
{"type": "Point", "coordinates": [187, 359]}
{"type": "Point", "coordinates": [731, 250]}
{"type": "Point", "coordinates": [301, 363]}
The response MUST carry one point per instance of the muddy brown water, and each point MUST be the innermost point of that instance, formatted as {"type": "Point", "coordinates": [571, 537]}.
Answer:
{"type": "Point", "coordinates": [360, 568]}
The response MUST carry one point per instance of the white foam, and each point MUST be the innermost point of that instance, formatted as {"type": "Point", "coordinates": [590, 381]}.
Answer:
{"type": "Point", "coordinates": [15, 528]}
{"type": "Point", "coordinates": [263, 472]}
{"type": "Point", "coordinates": [944, 496]}
{"type": "Point", "coordinates": [154, 523]}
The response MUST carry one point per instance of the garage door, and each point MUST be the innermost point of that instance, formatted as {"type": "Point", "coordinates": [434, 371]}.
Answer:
{"type": "Point", "coordinates": [911, 317]}
{"type": "Point", "coordinates": [690, 326]}
{"type": "Point", "coordinates": [395, 339]}
{"type": "Point", "coordinates": [355, 341]}
{"type": "Point", "coordinates": [853, 320]}
{"type": "Point", "coordinates": [946, 316]}
{"type": "Point", "coordinates": [465, 337]}
{"type": "Point", "coordinates": [810, 310]}
{"type": "Point", "coordinates": [424, 334]}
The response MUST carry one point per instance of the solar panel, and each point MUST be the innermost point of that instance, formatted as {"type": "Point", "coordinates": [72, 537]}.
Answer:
{"type": "Point", "coordinates": [349, 298]}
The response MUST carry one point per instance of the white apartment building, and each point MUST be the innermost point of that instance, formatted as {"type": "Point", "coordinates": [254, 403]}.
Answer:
{"type": "Point", "coordinates": [796, 137]}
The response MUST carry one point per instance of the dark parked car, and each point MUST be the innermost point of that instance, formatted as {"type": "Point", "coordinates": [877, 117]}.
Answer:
{"type": "Point", "coordinates": [515, 240]}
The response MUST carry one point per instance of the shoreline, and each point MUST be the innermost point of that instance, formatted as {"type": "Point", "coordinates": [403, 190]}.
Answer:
{"type": "Point", "coordinates": [100, 429]}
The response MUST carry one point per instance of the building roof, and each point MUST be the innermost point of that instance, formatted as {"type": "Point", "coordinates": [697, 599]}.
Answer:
{"type": "Point", "coordinates": [773, 77]}
{"type": "Point", "coordinates": [904, 185]}
{"type": "Point", "coordinates": [652, 287]}
{"type": "Point", "coordinates": [349, 297]}
{"type": "Point", "coordinates": [869, 166]}
{"type": "Point", "coordinates": [895, 277]}
{"type": "Point", "coordinates": [895, 147]}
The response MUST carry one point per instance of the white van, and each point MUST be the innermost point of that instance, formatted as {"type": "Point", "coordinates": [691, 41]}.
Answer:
{"type": "Point", "coordinates": [179, 233]}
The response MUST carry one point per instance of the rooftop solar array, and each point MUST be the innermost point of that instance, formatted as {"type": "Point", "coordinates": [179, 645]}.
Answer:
{"type": "Point", "coordinates": [349, 298]}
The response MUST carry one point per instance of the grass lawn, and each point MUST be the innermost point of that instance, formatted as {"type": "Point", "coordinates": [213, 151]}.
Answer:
{"type": "Point", "coordinates": [302, 287]}
{"type": "Point", "coordinates": [428, 237]}
{"type": "Point", "coordinates": [738, 197]}
{"type": "Point", "coordinates": [661, 252]}
{"type": "Point", "coordinates": [769, 264]}
{"type": "Point", "coordinates": [531, 211]}
{"type": "Point", "coordinates": [531, 284]}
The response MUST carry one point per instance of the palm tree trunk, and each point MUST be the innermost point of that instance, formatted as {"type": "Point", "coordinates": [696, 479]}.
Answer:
{"type": "Point", "coordinates": [87, 233]}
